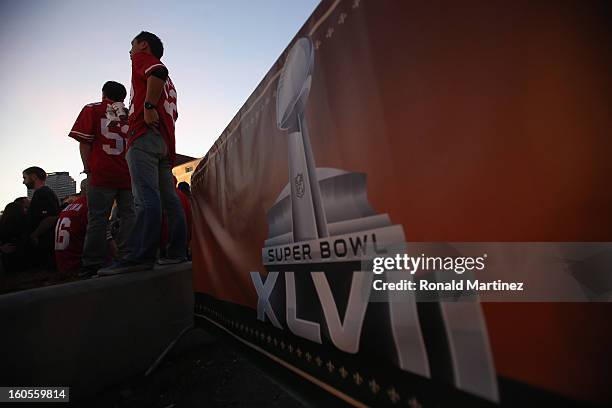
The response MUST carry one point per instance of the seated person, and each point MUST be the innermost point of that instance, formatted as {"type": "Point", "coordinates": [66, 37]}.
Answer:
{"type": "Point", "coordinates": [13, 238]}
{"type": "Point", "coordinates": [24, 202]}
{"type": "Point", "coordinates": [70, 234]}
{"type": "Point", "coordinates": [41, 218]}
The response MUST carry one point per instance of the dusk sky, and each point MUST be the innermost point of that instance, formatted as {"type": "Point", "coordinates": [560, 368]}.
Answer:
{"type": "Point", "coordinates": [56, 55]}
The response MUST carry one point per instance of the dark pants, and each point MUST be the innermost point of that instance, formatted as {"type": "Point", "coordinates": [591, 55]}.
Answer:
{"type": "Point", "coordinates": [153, 189]}
{"type": "Point", "coordinates": [99, 204]}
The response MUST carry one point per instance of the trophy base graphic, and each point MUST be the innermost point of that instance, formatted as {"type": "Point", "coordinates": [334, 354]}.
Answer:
{"type": "Point", "coordinates": [345, 203]}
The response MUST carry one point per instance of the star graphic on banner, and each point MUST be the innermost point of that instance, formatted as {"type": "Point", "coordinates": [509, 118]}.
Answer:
{"type": "Point", "coordinates": [393, 395]}
{"type": "Point", "coordinates": [414, 403]}
{"type": "Point", "coordinates": [356, 3]}
{"type": "Point", "coordinates": [329, 33]}
{"type": "Point", "coordinates": [357, 378]}
{"type": "Point", "coordinates": [343, 372]}
{"type": "Point", "coordinates": [342, 18]}
{"type": "Point", "coordinates": [330, 367]}
{"type": "Point", "coordinates": [374, 386]}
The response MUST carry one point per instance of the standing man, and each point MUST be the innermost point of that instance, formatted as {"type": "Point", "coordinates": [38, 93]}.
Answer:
{"type": "Point", "coordinates": [102, 140]}
{"type": "Point", "coordinates": [41, 217]}
{"type": "Point", "coordinates": [150, 157]}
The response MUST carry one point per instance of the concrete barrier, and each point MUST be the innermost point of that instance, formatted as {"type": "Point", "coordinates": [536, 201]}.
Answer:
{"type": "Point", "coordinates": [93, 333]}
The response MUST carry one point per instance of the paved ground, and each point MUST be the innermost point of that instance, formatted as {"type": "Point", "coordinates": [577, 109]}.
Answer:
{"type": "Point", "coordinates": [200, 372]}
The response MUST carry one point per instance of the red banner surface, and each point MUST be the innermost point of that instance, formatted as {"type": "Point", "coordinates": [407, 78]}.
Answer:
{"type": "Point", "coordinates": [392, 121]}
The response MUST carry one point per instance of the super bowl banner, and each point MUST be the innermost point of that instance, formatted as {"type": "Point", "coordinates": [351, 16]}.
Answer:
{"type": "Point", "coordinates": [389, 128]}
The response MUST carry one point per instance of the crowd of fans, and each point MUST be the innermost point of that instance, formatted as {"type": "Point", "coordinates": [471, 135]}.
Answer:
{"type": "Point", "coordinates": [130, 215]}
{"type": "Point", "coordinates": [42, 238]}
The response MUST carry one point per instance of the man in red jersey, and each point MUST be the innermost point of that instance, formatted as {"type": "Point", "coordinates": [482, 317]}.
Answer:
{"type": "Point", "coordinates": [150, 157]}
{"type": "Point", "coordinates": [102, 136]}
{"type": "Point", "coordinates": [70, 233]}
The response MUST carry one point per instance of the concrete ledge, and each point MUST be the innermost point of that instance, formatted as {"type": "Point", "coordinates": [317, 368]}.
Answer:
{"type": "Point", "coordinates": [93, 333]}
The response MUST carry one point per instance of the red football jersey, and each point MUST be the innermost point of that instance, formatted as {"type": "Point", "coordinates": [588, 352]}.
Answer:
{"type": "Point", "coordinates": [143, 64]}
{"type": "Point", "coordinates": [163, 241]}
{"type": "Point", "coordinates": [70, 235]}
{"type": "Point", "coordinates": [187, 209]}
{"type": "Point", "coordinates": [107, 161]}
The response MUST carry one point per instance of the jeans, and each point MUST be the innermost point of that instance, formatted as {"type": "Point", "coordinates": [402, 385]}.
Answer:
{"type": "Point", "coordinates": [99, 206]}
{"type": "Point", "coordinates": [153, 189]}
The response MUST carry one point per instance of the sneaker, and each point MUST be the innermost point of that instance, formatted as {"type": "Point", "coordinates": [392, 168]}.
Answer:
{"type": "Point", "coordinates": [171, 261]}
{"type": "Point", "coordinates": [124, 267]}
{"type": "Point", "coordinates": [87, 272]}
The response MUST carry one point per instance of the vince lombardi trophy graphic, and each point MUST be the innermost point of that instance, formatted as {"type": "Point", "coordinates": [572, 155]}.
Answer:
{"type": "Point", "coordinates": [326, 207]}
{"type": "Point", "coordinates": [309, 221]}
{"type": "Point", "coordinates": [320, 229]}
